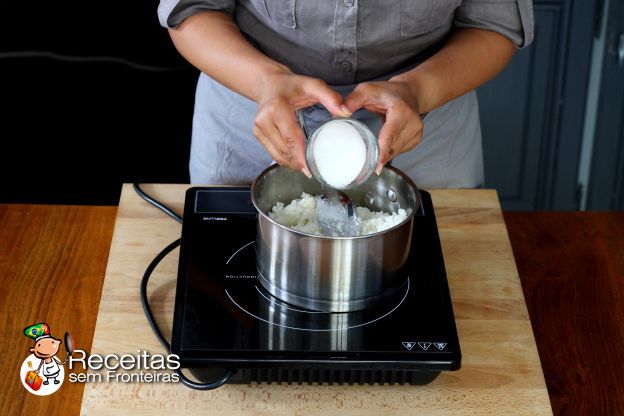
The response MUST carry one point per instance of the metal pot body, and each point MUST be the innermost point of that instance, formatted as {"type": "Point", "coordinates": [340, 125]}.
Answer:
{"type": "Point", "coordinates": [329, 273]}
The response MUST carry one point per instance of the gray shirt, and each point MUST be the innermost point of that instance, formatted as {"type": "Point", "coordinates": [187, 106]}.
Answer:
{"type": "Point", "coordinates": [349, 41]}
{"type": "Point", "coordinates": [345, 42]}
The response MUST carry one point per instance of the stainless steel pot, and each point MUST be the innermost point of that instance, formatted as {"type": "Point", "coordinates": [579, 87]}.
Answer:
{"type": "Point", "coordinates": [336, 274]}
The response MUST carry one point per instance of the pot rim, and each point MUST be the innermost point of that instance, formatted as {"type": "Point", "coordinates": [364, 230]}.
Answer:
{"type": "Point", "coordinates": [409, 218]}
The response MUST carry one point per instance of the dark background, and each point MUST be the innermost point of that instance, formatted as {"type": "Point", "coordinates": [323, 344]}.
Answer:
{"type": "Point", "coordinates": [94, 95]}
{"type": "Point", "coordinates": [74, 130]}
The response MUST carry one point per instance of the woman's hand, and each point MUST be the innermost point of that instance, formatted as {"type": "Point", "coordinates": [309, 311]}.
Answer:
{"type": "Point", "coordinates": [276, 126]}
{"type": "Point", "coordinates": [212, 42]}
{"type": "Point", "coordinates": [398, 106]}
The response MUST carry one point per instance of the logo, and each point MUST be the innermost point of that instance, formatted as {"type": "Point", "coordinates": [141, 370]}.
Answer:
{"type": "Point", "coordinates": [42, 373]}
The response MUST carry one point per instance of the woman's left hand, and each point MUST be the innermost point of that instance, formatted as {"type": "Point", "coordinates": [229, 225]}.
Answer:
{"type": "Point", "coordinates": [398, 106]}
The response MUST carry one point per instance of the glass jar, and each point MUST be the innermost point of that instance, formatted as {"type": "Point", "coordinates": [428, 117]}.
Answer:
{"type": "Point", "coordinates": [370, 161]}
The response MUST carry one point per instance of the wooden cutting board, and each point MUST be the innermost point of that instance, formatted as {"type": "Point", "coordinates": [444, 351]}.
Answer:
{"type": "Point", "coordinates": [500, 374]}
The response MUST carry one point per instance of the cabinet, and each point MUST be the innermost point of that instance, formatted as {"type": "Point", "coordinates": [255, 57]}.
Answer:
{"type": "Point", "coordinates": [532, 113]}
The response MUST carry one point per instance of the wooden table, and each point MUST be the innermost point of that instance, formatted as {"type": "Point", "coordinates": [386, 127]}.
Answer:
{"type": "Point", "coordinates": [67, 247]}
{"type": "Point", "coordinates": [52, 265]}
{"type": "Point", "coordinates": [500, 373]}
{"type": "Point", "coordinates": [572, 269]}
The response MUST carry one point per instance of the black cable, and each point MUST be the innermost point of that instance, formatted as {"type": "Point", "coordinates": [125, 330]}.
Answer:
{"type": "Point", "coordinates": [89, 59]}
{"type": "Point", "coordinates": [152, 322]}
{"type": "Point", "coordinates": [148, 311]}
{"type": "Point", "coordinates": [144, 280]}
{"type": "Point", "coordinates": [157, 204]}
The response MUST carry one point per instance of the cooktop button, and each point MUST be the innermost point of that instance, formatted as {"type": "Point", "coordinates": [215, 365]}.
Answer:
{"type": "Point", "coordinates": [408, 345]}
{"type": "Point", "coordinates": [440, 345]}
{"type": "Point", "coordinates": [424, 345]}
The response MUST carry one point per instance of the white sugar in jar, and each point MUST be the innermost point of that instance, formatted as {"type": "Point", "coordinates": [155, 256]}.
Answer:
{"type": "Point", "coordinates": [342, 153]}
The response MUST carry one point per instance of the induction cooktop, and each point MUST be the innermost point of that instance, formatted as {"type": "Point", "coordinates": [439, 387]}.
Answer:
{"type": "Point", "coordinates": [225, 320]}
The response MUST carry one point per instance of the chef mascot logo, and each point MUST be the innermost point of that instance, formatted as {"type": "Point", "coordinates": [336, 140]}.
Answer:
{"type": "Point", "coordinates": [42, 373]}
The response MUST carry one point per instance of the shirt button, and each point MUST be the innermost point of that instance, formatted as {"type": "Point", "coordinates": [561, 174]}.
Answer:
{"type": "Point", "coordinates": [349, 3]}
{"type": "Point", "coordinates": [345, 66]}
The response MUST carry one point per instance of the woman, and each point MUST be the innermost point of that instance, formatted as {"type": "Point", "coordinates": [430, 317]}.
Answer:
{"type": "Point", "coordinates": [385, 62]}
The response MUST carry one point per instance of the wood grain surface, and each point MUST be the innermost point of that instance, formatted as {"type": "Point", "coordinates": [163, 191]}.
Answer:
{"type": "Point", "coordinates": [571, 266]}
{"type": "Point", "coordinates": [52, 264]}
{"type": "Point", "coordinates": [572, 269]}
{"type": "Point", "coordinates": [501, 371]}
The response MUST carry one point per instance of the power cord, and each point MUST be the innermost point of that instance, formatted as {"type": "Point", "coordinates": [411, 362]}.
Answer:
{"type": "Point", "coordinates": [157, 204]}
{"type": "Point", "coordinates": [148, 311]}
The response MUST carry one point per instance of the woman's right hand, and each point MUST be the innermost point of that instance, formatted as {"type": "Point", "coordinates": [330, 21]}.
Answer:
{"type": "Point", "coordinates": [229, 58]}
{"type": "Point", "coordinates": [282, 93]}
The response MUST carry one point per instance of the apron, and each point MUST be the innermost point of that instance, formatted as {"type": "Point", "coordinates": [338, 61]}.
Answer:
{"type": "Point", "coordinates": [225, 151]}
